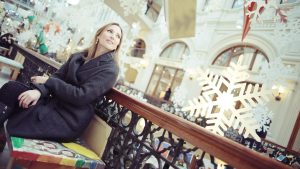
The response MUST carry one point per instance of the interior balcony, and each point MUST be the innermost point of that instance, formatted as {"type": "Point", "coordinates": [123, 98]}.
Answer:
{"type": "Point", "coordinates": [133, 134]}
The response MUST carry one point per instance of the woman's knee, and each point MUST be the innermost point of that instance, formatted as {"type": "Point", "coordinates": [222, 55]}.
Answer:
{"type": "Point", "coordinates": [14, 85]}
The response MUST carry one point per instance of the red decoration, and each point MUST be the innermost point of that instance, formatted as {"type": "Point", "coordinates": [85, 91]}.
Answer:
{"type": "Point", "coordinates": [254, 10]}
{"type": "Point", "coordinates": [247, 18]}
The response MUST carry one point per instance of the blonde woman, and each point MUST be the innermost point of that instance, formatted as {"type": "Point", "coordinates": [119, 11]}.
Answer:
{"type": "Point", "coordinates": [60, 107]}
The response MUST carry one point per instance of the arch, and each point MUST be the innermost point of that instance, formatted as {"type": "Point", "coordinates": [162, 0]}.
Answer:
{"type": "Point", "coordinates": [168, 50]}
{"type": "Point", "coordinates": [253, 57]}
{"type": "Point", "coordinates": [257, 41]}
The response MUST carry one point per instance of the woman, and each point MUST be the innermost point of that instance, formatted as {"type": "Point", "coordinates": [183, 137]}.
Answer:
{"type": "Point", "coordinates": [60, 107]}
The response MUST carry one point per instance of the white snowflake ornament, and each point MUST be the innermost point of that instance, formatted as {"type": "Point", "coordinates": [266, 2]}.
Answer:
{"type": "Point", "coordinates": [263, 117]}
{"type": "Point", "coordinates": [226, 101]}
{"type": "Point", "coordinates": [275, 73]}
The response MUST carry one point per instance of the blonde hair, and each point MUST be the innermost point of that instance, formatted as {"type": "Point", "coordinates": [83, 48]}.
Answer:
{"type": "Point", "coordinates": [92, 49]}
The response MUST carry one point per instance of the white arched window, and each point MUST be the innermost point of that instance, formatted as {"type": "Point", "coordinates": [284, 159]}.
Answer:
{"type": "Point", "coordinates": [253, 57]}
{"type": "Point", "coordinates": [175, 51]}
{"type": "Point", "coordinates": [166, 78]}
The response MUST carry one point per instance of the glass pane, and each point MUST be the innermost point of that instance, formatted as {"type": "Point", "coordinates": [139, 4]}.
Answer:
{"type": "Point", "coordinates": [175, 51]}
{"type": "Point", "coordinates": [154, 79]}
{"type": "Point", "coordinates": [223, 59]}
{"type": "Point", "coordinates": [234, 59]}
{"type": "Point", "coordinates": [233, 54]}
{"type": "Point", "coordinates": [248, 56]}
{"type": "Point", "coordinates": [177, 81]}
{"type": "Point", "coordinates": [166, 52]}
{"type": "Point", "coordinates": [259, 61]}
{"type": "Point", "coordinates": [165, 82]}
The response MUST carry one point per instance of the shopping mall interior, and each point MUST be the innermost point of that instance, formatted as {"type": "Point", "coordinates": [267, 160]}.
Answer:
{"type": "Point", "coordinates": [230, 67]}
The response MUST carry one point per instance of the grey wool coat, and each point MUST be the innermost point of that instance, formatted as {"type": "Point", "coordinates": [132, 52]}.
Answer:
{"type": "Point", "coordinates": [67, 101]}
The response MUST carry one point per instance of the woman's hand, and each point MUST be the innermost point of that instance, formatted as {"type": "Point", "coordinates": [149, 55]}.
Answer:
{"type": "Point", "coordinates": [39, 79]}
{"type": "Point", "coordinates": [29, 98]}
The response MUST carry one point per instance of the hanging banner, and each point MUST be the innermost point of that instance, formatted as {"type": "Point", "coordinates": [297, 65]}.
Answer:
{"type": "Point", "coordinates": [181, 18]}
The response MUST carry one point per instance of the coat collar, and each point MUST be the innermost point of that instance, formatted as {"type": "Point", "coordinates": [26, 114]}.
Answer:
{"type": "Point", "coordinates": [106, 57]}
{"type": "Point", "coordinates": [102, 58]}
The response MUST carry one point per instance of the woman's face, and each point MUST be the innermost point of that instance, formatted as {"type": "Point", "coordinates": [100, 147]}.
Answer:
{"type": "Point", "coordinates": [110, 37]}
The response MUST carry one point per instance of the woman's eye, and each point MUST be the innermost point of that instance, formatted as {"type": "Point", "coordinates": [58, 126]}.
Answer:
{"type": "Point", "coordinates": [110, 31]}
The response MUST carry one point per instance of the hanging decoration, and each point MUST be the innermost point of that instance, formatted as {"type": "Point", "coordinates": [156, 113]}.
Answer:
{"type": "Point", "coordinates": [62, 23]}
{"type": "Point", "coordinates": [221, 93]}
{"type": "Point", "coordinates": [253, 9]}
{"type": "Point", "coordinates": [287, 34]}
{"type": "Point", "coordinates": [263, 116]}
{"type": "Point", "coordinates": [276, 73]}
{"type": "Point", "coordinates": [52, 25]}
{"type": "Point", "coordinates": [133, 7]}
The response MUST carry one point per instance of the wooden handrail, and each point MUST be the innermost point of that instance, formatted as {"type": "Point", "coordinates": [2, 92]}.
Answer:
{"type": "Point", "coordinates": [43, 58]}
{"type": "Point", "coordinates": [227, 150]}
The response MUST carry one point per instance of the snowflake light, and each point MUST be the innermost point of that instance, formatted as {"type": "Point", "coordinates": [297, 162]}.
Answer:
{"type": "Point", "coordinates": [221, 94]}
{"type": "Point", "coordinates": [287, 33]}
{"type": "Point", "coordinates": [132, 6]}
{"type": "Point", "coordinates": [275, 73]}
{"type": "Point", "coordinates": [263, 117]}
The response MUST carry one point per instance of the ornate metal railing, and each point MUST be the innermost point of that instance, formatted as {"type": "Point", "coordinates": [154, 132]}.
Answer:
{"type": "Point", "coordinates": [143, 134]}
{"type": "Point", "coordinates": [136, 142]}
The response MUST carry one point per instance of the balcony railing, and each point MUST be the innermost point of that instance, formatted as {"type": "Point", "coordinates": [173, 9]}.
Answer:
{"type": "Point", "coordinates": [144, 136]}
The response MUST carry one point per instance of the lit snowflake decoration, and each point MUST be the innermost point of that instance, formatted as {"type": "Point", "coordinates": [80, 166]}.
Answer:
{"type": "Point", "coordinates": [286, 33]}
{"type": "Point", "coordinates": [275, 72]}
{"type": "Point", "coordinates": [132, 6]}
{"type": "Point", "coordinates": [220, 94]}
{"type": "Point", "coordinates": [263, 117]}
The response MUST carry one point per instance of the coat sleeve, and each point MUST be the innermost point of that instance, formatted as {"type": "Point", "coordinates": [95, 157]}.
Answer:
{"type": "Point", "coordinates": [85, 93]}
{"type": "Point", "coordinates": [60, 73]}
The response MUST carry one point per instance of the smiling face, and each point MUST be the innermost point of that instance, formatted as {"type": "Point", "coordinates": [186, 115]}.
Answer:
{"type": "Point", "coordinates": [110, 38]}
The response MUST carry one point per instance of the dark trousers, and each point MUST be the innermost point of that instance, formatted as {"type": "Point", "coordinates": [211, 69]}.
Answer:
{"type": "Point", "coordinates": [9, 103]}
{"type": "Point", "coordinates": [10, 91]}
